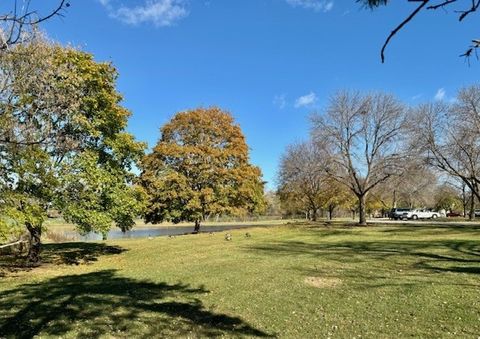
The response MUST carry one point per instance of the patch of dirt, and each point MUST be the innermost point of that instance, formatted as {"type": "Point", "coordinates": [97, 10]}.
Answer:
{"type": "Point", "coordinates": [320, 282]}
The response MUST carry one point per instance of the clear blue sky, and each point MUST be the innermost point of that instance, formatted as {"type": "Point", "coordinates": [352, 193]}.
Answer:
{"type": "Point", "coordinates": [271, 63]}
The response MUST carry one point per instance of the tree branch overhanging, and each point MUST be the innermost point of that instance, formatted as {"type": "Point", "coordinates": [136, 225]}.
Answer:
{"type": "Point", "coordinates": [432, 5]}
{"type": "Point", "coordinates": [400, 26]}
{"type": "Point", "coordinates": [14, 24]}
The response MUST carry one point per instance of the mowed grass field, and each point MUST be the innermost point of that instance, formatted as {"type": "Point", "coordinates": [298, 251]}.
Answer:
{"type": "Point", "coordinates": [294, 281]}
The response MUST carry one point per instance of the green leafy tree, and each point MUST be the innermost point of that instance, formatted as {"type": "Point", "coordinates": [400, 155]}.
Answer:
{"type": "Point", "coordinates": [335, 195]}
{"type": "Point", "coordinates": [448, 197]}
{"type": "Point", "coordinates": [200, 167]}
{"type": "Point", "coordinates": [63, 142]}
{"type": "Point", "coordinates": [293, 203]}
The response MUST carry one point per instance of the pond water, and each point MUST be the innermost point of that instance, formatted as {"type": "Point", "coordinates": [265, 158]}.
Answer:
{"type": "Point", "coordinates": [158, 231]}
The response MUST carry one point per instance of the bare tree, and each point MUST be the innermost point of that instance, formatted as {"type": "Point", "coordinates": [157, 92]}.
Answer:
{"type": "Point", "coordinates": [18, 24]}
{"type": "Point", "coordinates": [362, 136]}
{"type": "Point", "coordinates": [414, 188]}
{"type": "Point", "coordinates": [300, 176]}
{"type": "Point", "coordinates": [448, 135]}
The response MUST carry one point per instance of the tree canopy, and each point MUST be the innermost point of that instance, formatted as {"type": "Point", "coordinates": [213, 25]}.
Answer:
{"type": "Point", "coordinates": [200, 167]}
{"type": "Point", "coordinates": [303, 184]}
{"type": "Point", "coordinates": [63, 143]}
{"type": "Point", "coordinates": [448, 136]}
{"type": "Point", "coordinates": [361, 136]}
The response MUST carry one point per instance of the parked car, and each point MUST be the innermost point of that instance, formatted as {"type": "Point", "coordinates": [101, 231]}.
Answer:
{"type": "Point", "coordinates": [420, 214]}
{"type": "Point", "coordinates": [396, 213]}
{"type": "Point", "coordinates": [454, 214]}
{"type": "Point", "coordinates": [477, 213]}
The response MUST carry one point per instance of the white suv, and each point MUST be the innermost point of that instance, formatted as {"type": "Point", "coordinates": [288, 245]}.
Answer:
{"type": "Point", "coordinates": [420, 214]}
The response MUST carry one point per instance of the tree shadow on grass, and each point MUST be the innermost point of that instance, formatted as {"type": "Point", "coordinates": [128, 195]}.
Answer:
{"type": "Point", "coordinates": [72, 253]}
{"type": "Point", "coordinates": [431, 228]}
{"type": "Point", "coordinates": [75, 253]}
{"type": "Point", "coordinates": [103, 303]}
{"type": "Point", "coordinates": [460, 256]}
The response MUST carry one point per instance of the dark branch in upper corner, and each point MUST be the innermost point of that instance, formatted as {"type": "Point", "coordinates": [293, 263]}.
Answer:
{"type": "Point", "coordinates": [443, 4]}
{"type": "Point", "coordinates": [63, 4]}
{"type": "Point", "coordinates": [475, 5]}
{"type": "Point", "coordinates": [400, 26]}
{"type": "Point", "coordinates": [472, 9]}
{"type": "Point", "coordinates": [16, 23]}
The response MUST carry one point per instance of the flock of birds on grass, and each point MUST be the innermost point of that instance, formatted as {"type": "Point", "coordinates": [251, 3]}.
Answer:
{"type": "Point", "coordinates": [228, 236]}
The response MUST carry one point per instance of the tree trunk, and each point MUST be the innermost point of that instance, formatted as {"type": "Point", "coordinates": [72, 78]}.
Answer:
{"type": "Point", "coordinates": [362, 211]}
{"type": "Point", "coordinates": [472, 206]}
{"type": "Point", "coordinates": [197, 226]}
{"type": "Point", "coordinates": [314, 214]}
{"type": "Point", "coordinates": [33, 255]}
{"type": "Point", "coordinates": [330, 211]}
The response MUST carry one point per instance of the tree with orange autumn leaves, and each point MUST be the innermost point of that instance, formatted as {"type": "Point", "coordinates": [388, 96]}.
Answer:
{"type": "Point", "coordinates": [200, 168]}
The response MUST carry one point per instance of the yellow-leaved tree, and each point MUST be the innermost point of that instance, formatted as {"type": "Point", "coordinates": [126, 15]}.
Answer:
{"type": "Point", "coordinates": [200, 167]}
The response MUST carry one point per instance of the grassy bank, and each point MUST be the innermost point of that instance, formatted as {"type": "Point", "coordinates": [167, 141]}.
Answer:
{"type": "Point", "coordinates": [287, 281]}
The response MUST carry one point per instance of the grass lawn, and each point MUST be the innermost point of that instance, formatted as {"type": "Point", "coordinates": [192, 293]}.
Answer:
{"type": "Point", "coordinates": [296, 281]}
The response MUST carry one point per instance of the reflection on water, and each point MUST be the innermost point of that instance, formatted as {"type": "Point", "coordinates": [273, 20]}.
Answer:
{"type": "Point", "coordinates": [154, 232]}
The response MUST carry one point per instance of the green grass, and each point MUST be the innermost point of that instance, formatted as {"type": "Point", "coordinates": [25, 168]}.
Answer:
{"type": "Point", "coordinates": [384, 281]}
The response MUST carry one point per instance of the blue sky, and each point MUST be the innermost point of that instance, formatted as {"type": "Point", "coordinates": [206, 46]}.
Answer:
{"type": "Point", "coordinates": [271, 63]}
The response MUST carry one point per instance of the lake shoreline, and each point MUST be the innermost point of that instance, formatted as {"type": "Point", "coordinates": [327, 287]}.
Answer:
{"type": "Point", "coordinates": [158, 231]}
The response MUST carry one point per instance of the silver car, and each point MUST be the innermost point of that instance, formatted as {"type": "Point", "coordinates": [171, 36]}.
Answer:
{"type": "Point", "coordinates": [420, 214]}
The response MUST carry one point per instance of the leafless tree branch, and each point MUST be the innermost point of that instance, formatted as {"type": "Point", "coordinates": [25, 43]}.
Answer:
{"type": "Point", "coordinates": [473, 7]}
{"type": "Point", "coordinates": [400, 26]}
{"type": "Point", "coordinates": [22, 19]}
